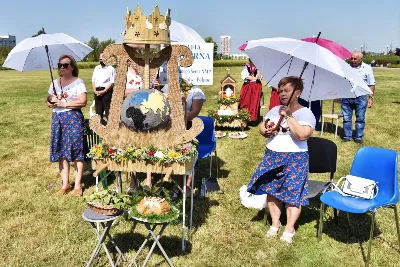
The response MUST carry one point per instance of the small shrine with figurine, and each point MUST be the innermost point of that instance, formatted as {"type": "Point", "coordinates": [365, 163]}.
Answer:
{"type": "Point", "coordinates": [229, 114]}
{"type": "Point", "coordinates": [228, 93]}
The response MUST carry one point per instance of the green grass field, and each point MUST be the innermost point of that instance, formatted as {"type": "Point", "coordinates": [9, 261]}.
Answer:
{"type": "Point", "coordinates": [39, 228]}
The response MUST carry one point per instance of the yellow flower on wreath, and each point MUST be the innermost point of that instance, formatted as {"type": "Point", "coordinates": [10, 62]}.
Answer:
{"type": "Point", "coordinates": [137, 153]}
{"type": "Point", "coordinates": [121, 157]}
{"type": "Point", "coordinates": [174, 154]}
{"type": "Point", "coordinates": [98, 150]}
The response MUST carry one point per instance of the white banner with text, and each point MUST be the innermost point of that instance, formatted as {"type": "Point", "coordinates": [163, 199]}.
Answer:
{"type": "Point", "coordinates": [201, 72]}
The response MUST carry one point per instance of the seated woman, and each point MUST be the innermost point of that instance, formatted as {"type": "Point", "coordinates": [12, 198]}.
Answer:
{"type": "Point", "coordinates": [194, 102]}
{"type": "Point", "coordinates": [134, 82]}
{"type": "Point", "coordinates": [250, 94]}
{"type": "Point", "coordinates": [133, 79]}
{"type": "Point", "coordinates": [283, 171]}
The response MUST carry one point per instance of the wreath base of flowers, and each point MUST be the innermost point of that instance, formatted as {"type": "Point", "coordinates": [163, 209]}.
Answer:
{"type": "Point", "coordinates": [179, 168]}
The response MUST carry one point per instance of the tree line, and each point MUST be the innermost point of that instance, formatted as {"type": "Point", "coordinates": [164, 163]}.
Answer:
{"type": "Point", "coordinates": [99, 46]}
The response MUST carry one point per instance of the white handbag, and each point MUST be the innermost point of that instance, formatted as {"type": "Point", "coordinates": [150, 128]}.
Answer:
{"type": "Point", "coordinates": [357, 187]}
{"type": "Point", "coordinates": [252, 201]}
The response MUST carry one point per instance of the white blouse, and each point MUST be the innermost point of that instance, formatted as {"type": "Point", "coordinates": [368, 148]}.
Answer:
{"type": "Point", "coordinates": [194, 93]}
{"type": "Point", "coordinates": [70, 92]}
{"type": "Point", "coordinates": [284, 140]}
{"type": "Point", "coordinates": [133, 81]}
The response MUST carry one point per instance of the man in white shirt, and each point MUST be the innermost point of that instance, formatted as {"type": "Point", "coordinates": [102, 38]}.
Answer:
{"type": "Point", "coordinates": [102, 83]}
{"type": "Point", "coordinates": [358, 104]}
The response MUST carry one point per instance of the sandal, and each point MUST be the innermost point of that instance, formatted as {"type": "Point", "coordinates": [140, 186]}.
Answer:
{"type": "Point", "coordinates": [64, 191]}
{"type": "Point", "coordinates": [273, 231]}
{"type": "Point", "coordinates": [78, 192]}
{"type": "Point", "coordinates": [288, 237]}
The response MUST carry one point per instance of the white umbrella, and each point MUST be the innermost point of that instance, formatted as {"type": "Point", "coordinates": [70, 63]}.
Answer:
{"type": "Point", "coordinates": [182, 33]}
{"type": "Point", "coordinates": [30, 54]}
{"type": "Point", "coordinates": [326, 76]}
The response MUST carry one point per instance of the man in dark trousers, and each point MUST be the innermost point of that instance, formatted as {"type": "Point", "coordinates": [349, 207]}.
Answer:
{"type": "Point", "coordinates": [102, 83]}
{"type": "Point", "coordinates": [359, 104]}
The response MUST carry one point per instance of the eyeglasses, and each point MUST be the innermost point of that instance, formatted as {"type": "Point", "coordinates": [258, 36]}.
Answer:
{"type": "Point", "coordinates": [353, 58]}
{"type": "Point", "coordinates": [64, 65]}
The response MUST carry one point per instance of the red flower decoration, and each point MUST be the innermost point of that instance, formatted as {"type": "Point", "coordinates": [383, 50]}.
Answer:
{"type": "Point", "coordinates": [150, 153]}
{"type": "Point", "coordinates": [110, 151]}
{"type": "Point", "coordinates": [131, 82]}
{"type": "Point", "coordinates": [137, 82]}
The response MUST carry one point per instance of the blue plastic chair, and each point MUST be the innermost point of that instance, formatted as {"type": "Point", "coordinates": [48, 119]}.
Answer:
{"type": "Point", "coordinates": [378, 164]}
{"type": "Point", "coordinates": [207, 142]}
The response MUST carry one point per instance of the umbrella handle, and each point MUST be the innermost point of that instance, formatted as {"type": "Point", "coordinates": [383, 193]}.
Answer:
{"type": "Point", "coordinates": [51, 73]}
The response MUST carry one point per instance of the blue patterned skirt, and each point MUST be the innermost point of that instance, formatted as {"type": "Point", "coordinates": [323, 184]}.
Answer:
{"type": "Point", "coordinates": [66, 139]}
{"type": "Point", "coordinates": [283, 175]}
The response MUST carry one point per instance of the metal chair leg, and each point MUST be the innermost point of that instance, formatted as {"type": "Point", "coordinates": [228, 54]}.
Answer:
{"type": "Point", "coordinates": [337, 123]}
{"type": "Point", "coordinates": [210, 164]}
{"type": "Point", "coordinates": [216, 163]}
{"type": "Point", "coordinates": [348, 222]}
{"type": "Point", "coordinates": [335, 216]}
{"type": "Point", "coordinates": [396, 217]}
{"type": "Point", "coordinates": [184, 212]}
{"type": "Point", "coordinates": [322, 125]}
{"type": "Point", "coordinates": [321, 221]}
{"type": "Point", "coordinates": [371, 236]}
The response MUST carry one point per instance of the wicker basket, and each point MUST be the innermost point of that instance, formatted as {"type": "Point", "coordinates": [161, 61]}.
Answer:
{"type": "Point", "coordinates": [108, 210]}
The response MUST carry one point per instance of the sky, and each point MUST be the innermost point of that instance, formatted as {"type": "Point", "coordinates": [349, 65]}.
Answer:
{"type": "Point", "coordinates": [372, 24]}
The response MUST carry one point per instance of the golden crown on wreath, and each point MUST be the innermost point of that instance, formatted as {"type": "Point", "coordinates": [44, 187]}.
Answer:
{"type": "Point", "coordinates": [140, 30]}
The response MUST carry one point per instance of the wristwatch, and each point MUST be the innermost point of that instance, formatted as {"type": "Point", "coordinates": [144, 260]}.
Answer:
{"type": "Point", "coordinates": [288, 117]}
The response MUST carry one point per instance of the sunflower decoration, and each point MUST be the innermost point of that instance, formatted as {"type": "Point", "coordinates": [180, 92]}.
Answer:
{"type": "Point", "coordinates": [185, 87]}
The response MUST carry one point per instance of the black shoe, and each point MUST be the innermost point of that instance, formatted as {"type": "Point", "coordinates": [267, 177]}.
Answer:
{"type": "Point", "coordinates": [147, 190]}
{"type": "Point", "coordinates": [346, 140]}
{"type": "Point", "coordinates": [358, 141]}
{"type": "Point", "coordinates": [176, 194]}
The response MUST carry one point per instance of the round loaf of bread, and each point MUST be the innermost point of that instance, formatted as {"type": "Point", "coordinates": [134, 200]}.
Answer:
{"type": "Point", "coordinates": [153, 205]}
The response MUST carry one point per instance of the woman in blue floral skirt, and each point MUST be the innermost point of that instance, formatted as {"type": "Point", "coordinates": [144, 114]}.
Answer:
{"type": "Point", "coordinates": [67, 132]}
{"type": "Point", "coordinates": [283, 171]}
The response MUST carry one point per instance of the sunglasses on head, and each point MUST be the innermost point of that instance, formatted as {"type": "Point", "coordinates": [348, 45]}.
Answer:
{"type": "Point", "coordinates": [64, 65]}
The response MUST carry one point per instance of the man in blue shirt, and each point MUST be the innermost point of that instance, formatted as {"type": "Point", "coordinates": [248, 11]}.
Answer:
{"type": "Point", "coordinates": [358, 104]}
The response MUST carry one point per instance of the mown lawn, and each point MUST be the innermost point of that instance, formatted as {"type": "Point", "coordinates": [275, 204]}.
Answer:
{"type": "Point", "coordinates": [39, 228]}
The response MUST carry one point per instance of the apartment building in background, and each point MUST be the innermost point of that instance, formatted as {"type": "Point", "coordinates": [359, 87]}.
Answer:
{"type": "Point", "coordinates": [226, 45]}
{"type": "Point", "coordinates": [8, 40]}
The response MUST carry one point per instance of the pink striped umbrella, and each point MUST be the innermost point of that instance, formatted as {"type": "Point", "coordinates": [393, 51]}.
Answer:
{"type": "Point", "coordinates": [242, 47]}
{"type": "Point", "coordinates": [335, 48]}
